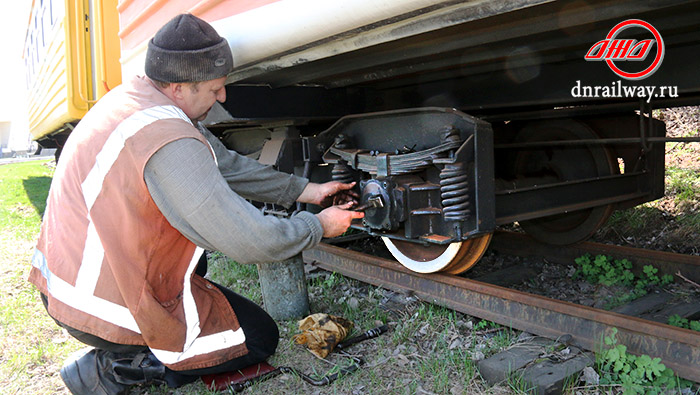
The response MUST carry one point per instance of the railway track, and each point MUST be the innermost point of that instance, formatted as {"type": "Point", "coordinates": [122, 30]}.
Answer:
{"type": "Point", "coordinates": [678, 348]}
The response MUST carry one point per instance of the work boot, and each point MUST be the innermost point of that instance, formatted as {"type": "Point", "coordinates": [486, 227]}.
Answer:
{"type": "Point", "coordinates": [89, 371]}
{"type": "Point", "coordinates": [145, 368]}
{"type": "Point", "coordinates": [142, 368]}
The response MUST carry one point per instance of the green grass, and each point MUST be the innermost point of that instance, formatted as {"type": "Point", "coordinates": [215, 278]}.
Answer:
{"type": "Point", "coordinates": [677, 215]}
{"type": "Point", "coordinates": [32, 344]}
{"type": "Point", "coordinates": [23, 191]}
{"type": "Point", "coordinates": [241, 278]}
{"type": "Point", "coordinates": [683, 183]}
{"type": "Point", "coordinates": [634, 219]}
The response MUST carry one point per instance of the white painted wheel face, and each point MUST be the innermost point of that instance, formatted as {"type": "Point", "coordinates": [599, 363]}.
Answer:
{"type": "Point", "coordinates": [431, 266]}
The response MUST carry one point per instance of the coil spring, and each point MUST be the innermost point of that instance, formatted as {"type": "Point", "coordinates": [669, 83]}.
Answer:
{"type": "Point", "coordinates": [341, 172]}
{"type": "Point", "coordinates": [454, 192]}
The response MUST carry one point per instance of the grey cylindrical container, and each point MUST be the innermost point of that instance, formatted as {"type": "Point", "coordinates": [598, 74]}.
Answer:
{"type": "Point", "coordinates": [283, 286]}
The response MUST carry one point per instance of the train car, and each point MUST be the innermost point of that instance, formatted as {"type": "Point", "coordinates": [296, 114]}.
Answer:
{"type": "Point", "coordinates": [454, 117]}
{"type": "Point", "coordinates": [71, 56]}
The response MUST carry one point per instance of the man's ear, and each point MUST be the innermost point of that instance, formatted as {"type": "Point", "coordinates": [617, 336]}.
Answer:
{"type": "Point", "coordinates": [176, 90]}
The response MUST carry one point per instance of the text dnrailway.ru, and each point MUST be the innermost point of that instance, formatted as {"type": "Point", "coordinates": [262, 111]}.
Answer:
{"type": "Point", "coordinates": [618, 90]}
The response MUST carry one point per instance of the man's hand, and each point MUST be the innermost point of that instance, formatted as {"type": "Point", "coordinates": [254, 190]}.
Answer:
{"type": "Point", "coordinates": [331, 193]}
{"type": "Point", "coordinates": [336, 219]}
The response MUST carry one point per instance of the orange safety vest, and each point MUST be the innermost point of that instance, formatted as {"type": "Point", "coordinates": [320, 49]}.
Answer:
{"type": "Point", "coordinates": [108, 260]}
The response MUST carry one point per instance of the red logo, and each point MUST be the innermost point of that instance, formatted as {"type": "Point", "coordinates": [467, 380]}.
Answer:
{"type": "Point", "coordinates": [612, 49]}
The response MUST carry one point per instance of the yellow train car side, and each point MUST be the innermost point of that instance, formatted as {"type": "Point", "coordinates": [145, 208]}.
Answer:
{"type": "Point", "coordinates": [72, 59]}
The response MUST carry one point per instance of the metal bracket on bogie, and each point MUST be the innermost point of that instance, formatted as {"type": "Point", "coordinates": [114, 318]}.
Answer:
{"type": "Point", "coordinates": [432, 168]}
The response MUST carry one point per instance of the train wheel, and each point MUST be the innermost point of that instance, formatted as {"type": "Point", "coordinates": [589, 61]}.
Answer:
{"type": "Point", "coordinates": [566, 163]}
{"type": "Point", "coordinates": [453, 258]}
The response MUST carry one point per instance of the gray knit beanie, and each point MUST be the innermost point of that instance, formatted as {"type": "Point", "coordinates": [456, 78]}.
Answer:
{"type": "Point", "coordinates": [188, 49]}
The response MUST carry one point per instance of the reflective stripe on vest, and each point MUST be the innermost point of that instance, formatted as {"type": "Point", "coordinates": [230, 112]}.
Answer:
{"type": "Point", "coordinates": [195, 345]}
{"type": "Point", "coordinates": [78, 299]}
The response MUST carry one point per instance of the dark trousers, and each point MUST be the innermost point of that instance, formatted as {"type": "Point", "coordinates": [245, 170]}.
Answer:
{"type": "Point", "coordinates": [260, 331]}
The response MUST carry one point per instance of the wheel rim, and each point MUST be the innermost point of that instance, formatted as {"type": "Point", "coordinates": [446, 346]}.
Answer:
{"type": "Point", "coordinates": [566, 163]}
{"type": "Point", "coordinates": [453, 258]}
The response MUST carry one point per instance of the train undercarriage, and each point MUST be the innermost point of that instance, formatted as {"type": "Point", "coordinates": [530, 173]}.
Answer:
{"type": "Point", "coordinates": [437, 182]}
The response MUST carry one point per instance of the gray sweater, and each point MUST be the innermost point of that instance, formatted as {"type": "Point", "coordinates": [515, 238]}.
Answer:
{"type": "Point", "coordinates": [206, 202]}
